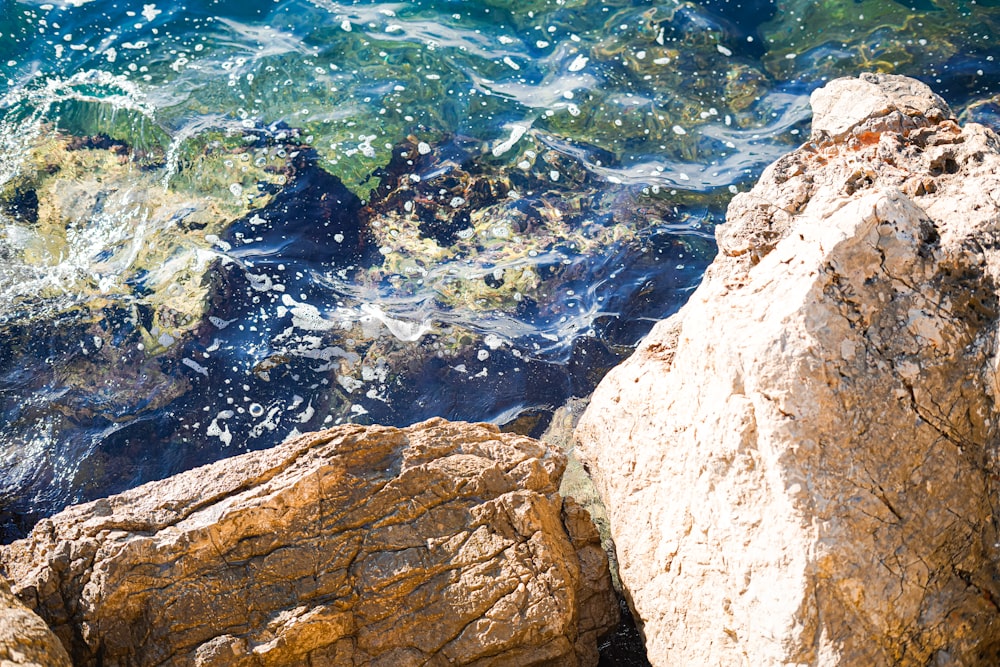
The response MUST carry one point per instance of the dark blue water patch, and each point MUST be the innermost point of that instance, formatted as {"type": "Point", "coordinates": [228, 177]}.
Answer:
{"type": "Point", "coordinates": [625, 646]}
{"type": "Point", "coordinates": [463, 386]}
{"type": "Point", "coordinates": [68, 384]}
{"type": "Point", "coordinates": [739, 21]}
{"type": "Point", "coordinates": [509, 383]}
{"type": "Point", "coordinates": [125, 455]}
{"type": "Point", "coordinates": [315, 219]}
{"type": "Point", "coordinates": [23, 206]}
{"type": "Point", "coordinates": [966, 77]}
{"type": "Point", "coordinates": [986, 114]}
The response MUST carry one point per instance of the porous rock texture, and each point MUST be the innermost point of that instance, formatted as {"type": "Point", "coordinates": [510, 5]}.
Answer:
{"type": "Point", "coordinates": [25, 640]}
{"type": "Point", "coordinates": [800, 466]}
{"type": "Point", "coordinates": [438, 544]}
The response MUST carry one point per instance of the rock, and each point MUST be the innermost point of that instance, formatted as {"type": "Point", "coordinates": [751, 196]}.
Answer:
{"type": "Point", "coordinates": [441, 543]}
{"type": "Point", "coordinates": [800, 466]}
{"type": "Point", "coordinates": [25, 640]}
{"type": "Point", "coordinates": [576, 483]}
{"type": "Point", "coordinates": [877, 98]}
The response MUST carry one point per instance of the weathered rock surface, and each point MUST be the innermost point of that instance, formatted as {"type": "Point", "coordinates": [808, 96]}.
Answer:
{"type": "Point", "coordinates": [25, 640]}
{"type": "Point", "coordinates": [442, 543]}
{"type": "Point", "coordinates": [800, 466]}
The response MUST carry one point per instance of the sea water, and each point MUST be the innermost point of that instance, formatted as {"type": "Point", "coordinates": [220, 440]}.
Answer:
{"type": "Point", "coordinates": [223, 222]}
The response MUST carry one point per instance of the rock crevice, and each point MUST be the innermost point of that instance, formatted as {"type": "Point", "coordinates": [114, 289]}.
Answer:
{"type": "Point", "coordinates": [25, 640]}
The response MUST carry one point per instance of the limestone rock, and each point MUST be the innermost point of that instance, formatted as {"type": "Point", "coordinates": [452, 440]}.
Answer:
{"type": "Point", "coordinates": [441, 543]}
{"type": "Point", "coordinates": [877, 98]}
{"type": "Point", "coordinates": [800, 466]}
{"type": "Point", "coordinates": [25, 640]}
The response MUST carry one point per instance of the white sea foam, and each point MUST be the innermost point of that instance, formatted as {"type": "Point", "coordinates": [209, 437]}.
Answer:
{"type": "Point", "coordinates": [404, 330]}
{"type": "Point", "coordinates": [517, 130]}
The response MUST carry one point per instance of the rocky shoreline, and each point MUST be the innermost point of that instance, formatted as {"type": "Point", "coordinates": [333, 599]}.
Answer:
{"type": "Point", "coordinates": [798, 467]}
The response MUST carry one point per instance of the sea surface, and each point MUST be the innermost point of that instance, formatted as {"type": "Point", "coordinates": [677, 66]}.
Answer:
{"type": "Point", "coordinates": [223, 222]}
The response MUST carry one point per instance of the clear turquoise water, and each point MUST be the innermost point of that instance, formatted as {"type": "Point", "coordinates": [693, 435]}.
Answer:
{"type": "Point", "coordinates": [225, 222]}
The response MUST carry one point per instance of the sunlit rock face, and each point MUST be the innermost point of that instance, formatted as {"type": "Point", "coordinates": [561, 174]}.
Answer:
{"type": "Point", "coordinates": [800, 466]}
{"type": "Point", "coordinates": [440, 543]}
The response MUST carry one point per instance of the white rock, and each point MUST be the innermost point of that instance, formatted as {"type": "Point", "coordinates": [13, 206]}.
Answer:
{"type": "Point", "coordinates": [782, 487]}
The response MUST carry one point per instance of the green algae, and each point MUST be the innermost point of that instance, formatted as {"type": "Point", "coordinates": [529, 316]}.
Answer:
{"type": "Point", "coordinates": [248, 167]}
{"type": "Point", "coordinates": [147, 141]}
{"type": "Point", "coordinates": [476, 234]}
{"type": "Point", "coordinates": [89, 225]}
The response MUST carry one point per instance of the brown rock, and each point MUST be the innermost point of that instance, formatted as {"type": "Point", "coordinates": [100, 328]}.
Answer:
{"type": "Point", "coordinates": [800, 466]}
{"type": "Point", "coordinates": [442, 543]}
{"type": "Point", "coordinates": [25, 640]}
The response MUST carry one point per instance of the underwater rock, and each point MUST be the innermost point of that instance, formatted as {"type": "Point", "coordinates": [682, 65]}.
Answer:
{"type": "Point", "coordinates": [25, 640]}
{"type": "Point", "coordinates": [800, 465]}
{"type": "Point", "coordinates": [108, 263]}
{"type": "Point", "coordinates": [161, 315]}
{"type": "Point", "coordinates": [442, 542]}
{"type": "Point", "coordinates": [490, 239]}
{"type": "Point", "coordinates": [85, 222]}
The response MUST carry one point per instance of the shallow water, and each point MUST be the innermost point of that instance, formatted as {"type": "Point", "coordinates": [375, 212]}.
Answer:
{"type": "Point", "coordinates": [222, 222]}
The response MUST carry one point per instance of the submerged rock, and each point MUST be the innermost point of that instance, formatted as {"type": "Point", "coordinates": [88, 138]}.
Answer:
{"type": "Point", "coordinates": [164, 310]}
{"type": "Point", "coordinates": [86, 222]}
{"type": "Point", "coordinates": [108, 265]}
{"type": "Point", "coordinates": [441, 543]}
{"type": "Point", "coordinates": [800, 465]}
